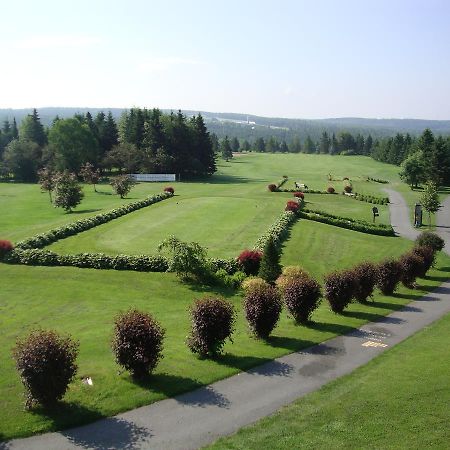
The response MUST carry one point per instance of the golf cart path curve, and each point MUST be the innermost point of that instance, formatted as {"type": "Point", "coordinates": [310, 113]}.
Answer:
{"type": "Point", "coordinates": [197, 418]}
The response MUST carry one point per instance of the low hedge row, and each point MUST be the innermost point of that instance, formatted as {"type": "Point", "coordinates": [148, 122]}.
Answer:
{"type": "Point", "coordinates": [346, 222]}
{"type": "Point", "coordinates": [278, 231]}
{"type": "Point", "coordinates": [40, 257]}
{"type": "Point", "coordinates": [306, 191]}
{"type": "Point", "coordinates": [371, 199]}
{"type": "Point", "coordinates": [44, 239]}
{"type": "Point", "coordinates": [377, 180]}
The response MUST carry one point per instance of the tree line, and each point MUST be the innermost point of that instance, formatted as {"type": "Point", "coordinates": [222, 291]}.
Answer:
{"type": "Point", "coordinates": [143, 141]}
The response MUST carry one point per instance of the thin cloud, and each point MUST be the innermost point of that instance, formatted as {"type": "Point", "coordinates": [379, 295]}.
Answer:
{"type": "Point", "coordinates": [58, 41]}
{"type": "Point", "coordinates": [162, 64]}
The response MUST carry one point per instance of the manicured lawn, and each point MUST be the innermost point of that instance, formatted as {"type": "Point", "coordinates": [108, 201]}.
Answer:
{"type": "Point", "coordinates": [398, 400]}
{"type": "Point", "coordinates": [227, 212]}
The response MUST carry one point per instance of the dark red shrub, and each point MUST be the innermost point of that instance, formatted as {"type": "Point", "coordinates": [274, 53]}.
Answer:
{"type": "Point", "coordinates": [388, 276]}
{"type": "Point", "coordinates": [5, 247]}
{"type": "Point", "coordinates": [292, 205]}
{"type": "Point", "coordinates": [411, 266]}
{"type": "Point", "coordinates": [262, 308]}
{"type": "Point", "coordinates": [345, 178]}
{"type": "Point", "coordinates": [46, 362]}
{"type": "Point", "coordinates": [348, 188]}
{"type": "Point", "coordinates": [365, 280]}
{"type": "Point", "coordinates": [137, 342]}
{"type": "Point", "coordinates": [301, 297]}
{"type": "Point", "coordinates": [428, 254]}
{"type": "Point", "coordinates": [213, 321]}
{"type": "Point", "coordinates": [250, 261]}
{"type": "Point", "coordinates": [169, 189]}
{"type": "Point", "coordinates": [272, 187]}
{"type": "Point", "coordinates": [299, 194]}
{"type": "Point", "coordinates": [339, 289]}
{"type": "Point", "coordinates": [330, 189]}
{"type": "Point", "coordinates": [431, 240]}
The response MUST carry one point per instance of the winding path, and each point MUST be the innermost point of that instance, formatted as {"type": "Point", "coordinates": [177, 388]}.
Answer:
{"type": "Point", "coordinates": [197, 418]}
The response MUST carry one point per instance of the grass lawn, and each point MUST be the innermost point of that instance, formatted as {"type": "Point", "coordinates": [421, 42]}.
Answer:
{"type": "Point", "coordinates": [83, 302]}
{"type": "Point", "coordinates": [398, 400]}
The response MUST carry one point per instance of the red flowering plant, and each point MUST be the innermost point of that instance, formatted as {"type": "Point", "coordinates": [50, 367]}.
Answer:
{"type": "Point", "coordinates": [272, 187]}
{"type": "Point", "coordinates": [292, 205]}
{"type": "Point", "coordinates": [250, 261]}
{"type": "Point", "coordinates": [299, 195]}
{"type": "Point", "coordinates": [5, 247]}
{"type": "Point", "coordinates": [169, 189]}
{"type": "Point", "coordinates": [330, 189]}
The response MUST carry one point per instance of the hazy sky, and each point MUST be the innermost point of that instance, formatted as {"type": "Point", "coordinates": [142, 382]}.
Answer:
{"type": "Point", "coordinates": [305, 59]}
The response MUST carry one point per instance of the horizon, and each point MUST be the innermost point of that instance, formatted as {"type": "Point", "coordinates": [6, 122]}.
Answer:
{"type": "Point", "coordinates": [290, 59]}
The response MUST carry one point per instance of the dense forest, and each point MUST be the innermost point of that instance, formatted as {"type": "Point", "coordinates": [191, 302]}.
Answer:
{"type": "Point", "coordinates": [152, 141]}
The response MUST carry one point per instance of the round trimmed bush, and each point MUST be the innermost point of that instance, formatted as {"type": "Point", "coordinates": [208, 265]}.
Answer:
{"type": "Point", "coordinates": [301, 297]}
{"type": "Point", "coordinates": [46, 362]}
{"type": "Point", "coordinates": [169, 189]}
{"type": "Point", "coordinates": [429, 239]}
{"type": "Point", "coordinates": [253, 284]}
{"type": "Point", "coordinates": [250, 261]}
{"type": "Point", "coordinates": [339, 289]}
{"type": "Point", "coordinates": [299, 195]}
{"type": "Point", "coordinates": [272, 187]}
{"type": "Point", "coordinates": [212, 321]}
{"type": "Point", "coordinates": [331, 190]}
{"type": "Point", "coordinates": [365, 280]}
{"type": "Point", "coordinates": [5, 247]}
{"type": "Point", "coordinates": [428, 255]}
{"type": "Point", "coordinates": [290, 273]}
{"type": "Point", "coordinates": [292, 205]}
{"type": "Point", "coordinates": [138, 342]}
{"type": "Point", "coordinates": [348, 188]}
{"type": "Point", "coordinates": [262, 307]}
{"type": "Point", "coordinates": [411, 266]}
{"type": "Point", "coordinates": [388, 276]}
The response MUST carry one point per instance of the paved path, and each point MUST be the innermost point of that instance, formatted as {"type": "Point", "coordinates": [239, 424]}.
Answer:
{"type": "Point", "coordinates": [197, 418]}
{"type": "Point", "coordinates": [443, 223]}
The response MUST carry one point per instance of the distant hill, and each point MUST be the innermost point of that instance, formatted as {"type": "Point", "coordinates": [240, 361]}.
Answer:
{"type": "Point", "coordinates": [246, 126]}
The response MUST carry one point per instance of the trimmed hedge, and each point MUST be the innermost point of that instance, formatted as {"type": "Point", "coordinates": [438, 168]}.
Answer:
{"type": "Point", "coordinates": [278, 231]}
{"type": "Point", "coordinates": [377, 180]}
{"type": "Point", "coordinates": [346, 222]}
{"type": "Point", "coordinates": [371, 199]}
{"type": "Point", "coordinates": [44, 239]}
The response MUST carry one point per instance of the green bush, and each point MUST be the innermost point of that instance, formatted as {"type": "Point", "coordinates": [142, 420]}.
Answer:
{"type": "Point", "coordinates": [212, 320]}
{"type": "Point", "coordinates": [429, 239]}
{"type": "Point", "coordinates": [270, 268]}
{"type": "Point", "coordinates": [46, 362]}
{"type": "Point", "coordinates": [138, 342]}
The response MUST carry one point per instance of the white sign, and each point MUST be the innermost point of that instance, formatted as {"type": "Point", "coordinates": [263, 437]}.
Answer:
{"type": "Point", "coordinates": [153, 176]}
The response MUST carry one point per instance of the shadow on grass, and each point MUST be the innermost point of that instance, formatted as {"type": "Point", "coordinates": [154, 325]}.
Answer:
{"type": "Point", "coordinates": [84, 211]}
{"type": "Point", "coordinates": [111, 433]}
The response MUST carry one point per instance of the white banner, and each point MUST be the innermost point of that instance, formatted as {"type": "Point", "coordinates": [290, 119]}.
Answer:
{"type": "Point", "coordinates": [153, 176]}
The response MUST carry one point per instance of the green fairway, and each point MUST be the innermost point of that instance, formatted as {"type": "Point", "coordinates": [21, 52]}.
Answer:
{"type": "Point", "coordinates": [398, 400]}
{"type": "Point", "coordinates": [226, 213]}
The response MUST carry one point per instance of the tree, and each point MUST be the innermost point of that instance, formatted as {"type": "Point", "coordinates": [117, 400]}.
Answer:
{"type": "Point", "coordinates": [47, 181]}
{"type": "Point", "coordinates": [334, 145]}
{"type": "Point", "coordinates": [245, 147]}
{"type": "Point", "coordinates": [202, 146]}
{"type": "Point", "coordinates": [270, 268]}
{"type": "Point", "coordinates": [225, 146]}
{"type": "Point", "coordinates": [89, 174]}
{"type": "Point", "coordinates": [430, 200]}
{"type": "Point", "coordinates": [413, 170]}
{"type": "Point", "coordinates": [284, 147]}
{"type": "Point", "coordinates": [235, 146]}
{"type": "Point", "coordinates": [325, 142]}
{"type": "Point", "coordinates": [295, 146]}
{"type": "Point", "coordinates": [124, 157]}
{"type": "Point", "coordinates": [260, 145]}
{"type": "Point", "coordinates": [73, 144]}
{"type": "Point", "coordinates": [22, 157]}
{"type": "Point", "coordinates": [68, 192]}
{"type": "Point", "coordinates": [32, 129]}
{"type": "Point", "coordinates": [439, 161]}
{"type": "Point", "coordinates": [122, 185]}
{"type": "Point", "coordinates": [272, 145]}
{"type": "Point", "coordinates": [309, 146]}
{"type": "Point", "coordinates": [368, 142]}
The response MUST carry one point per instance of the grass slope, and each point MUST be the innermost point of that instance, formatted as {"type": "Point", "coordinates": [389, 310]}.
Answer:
{"type": "Point", "coordinates": [398, 400]}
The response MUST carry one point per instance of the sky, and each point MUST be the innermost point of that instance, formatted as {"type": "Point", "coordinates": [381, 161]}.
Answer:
{"type": "Point", "coordinates": [299, 58]}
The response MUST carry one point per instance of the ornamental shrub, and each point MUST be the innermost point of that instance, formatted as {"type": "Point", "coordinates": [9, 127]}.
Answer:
{"type": "Point", "coordinates": [330, 190]}
{"type": "Point", "coordinates": [68, 192]}
{"type": "Point", "coordinates": [250, 261]}
{"type": "Point", "coordinates": [428, 255]}
{"type": "Point", "coordinates": [254, 284]}
{"type": "Point", "coordinates": [272, 187]}
{"type": "Point", "coordinates": [5, 247]}
{"type": "Point", "coordinates": [46, 362]}
{"type": "Point", "coordinates": [212, 321]}
{"type": "Point", "coordinates": [365, 280]}
{"type": "Point", "coordinates": [411, 266]}
{"type": "Point", "coordinates": [169, 189]}
{"type": "Point", "coordinates": [292, 205]}
{"type": "Point", "coordinates": [299, 195]}
{"type": "Point", "coordinates": [262, 307]}
{"type": "Point", "coordinates": [339, 289]}
{"type": "Point", "coordinates": [137, 342]}
{"type": "Point", "coordinates": [427, 238]}
{"type": "Point", "coordinates": [288, 274]}
{"type": "Point", "coordinates": [348, 188]}
{"type": "Point", "coordinates": [301, 297]}
{"type": "Point", "coordinates": [388, 276]}
{"type": "Point", "coordinates": [122, 184]}
{"type": "Point", "coordinates": [270, 268]}
{"type": "Point", "coordinates": [345, 178]}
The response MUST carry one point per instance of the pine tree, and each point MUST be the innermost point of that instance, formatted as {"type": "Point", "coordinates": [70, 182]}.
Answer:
{"type": "Point", "coordinates": [284, 147]}
{"type": "Point", "coordinates": [309, 146]}
{"type": "Point", "coordinates": [32, 129]}
{"type": "Point", "coordinates": [325, 142]}
{"type": "Point", "coordinates": [14, 130]}
{"type": "Point", "coordinates": [226, 148]}
{"type": "Point", "coordinates": [270, 268]}
{"type": "Point", "coordinates": [245, 147]}
{"type": "Point", "coordinates": [295, 146]}
{"type": "Point", "coordinates": [368, 143]}
{"type": "Point", "coordinates": [260, 145]}
{"type": "Point", "coordinates": [235, 146]}
{"type": "Point", "coordinates": [430, 200]}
